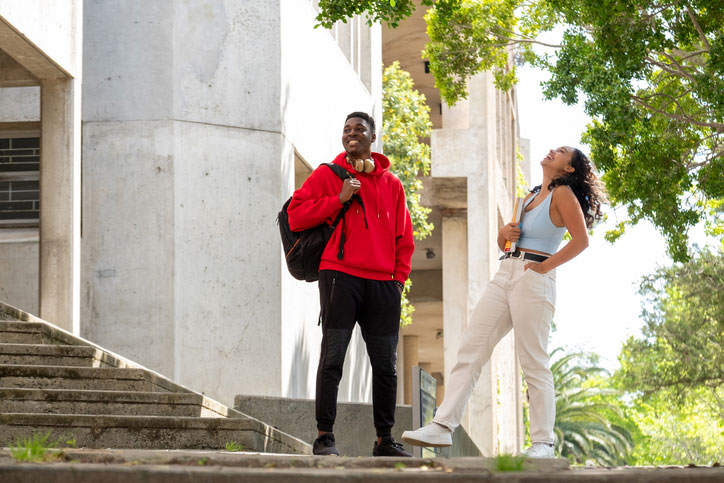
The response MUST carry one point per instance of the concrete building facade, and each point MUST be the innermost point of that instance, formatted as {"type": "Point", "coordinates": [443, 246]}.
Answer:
{"type": "Point", "coordinates": [198, 121]}
{"type": "Point", "coordinates": [169, 134]}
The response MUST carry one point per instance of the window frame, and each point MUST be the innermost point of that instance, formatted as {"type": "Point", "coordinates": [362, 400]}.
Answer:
{"type": "Point", "coordinates": [17, 131]}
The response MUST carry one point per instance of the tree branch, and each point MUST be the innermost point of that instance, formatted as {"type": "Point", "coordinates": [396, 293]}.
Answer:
{"type": "Point", "coordinates": [658, 9]}
{"type": "Point", "coordinates": [703, 38]}
{"type": "Point", "coordinates": [667, 68]}
{"type": "Point", "coordinates": [674, 61]}
{"type": "Point", "coordinates": [510, 43]}
{"type": "Point", "coordinates": [523, 39]}
{"type": "Point", "coordinates": [683, 118]}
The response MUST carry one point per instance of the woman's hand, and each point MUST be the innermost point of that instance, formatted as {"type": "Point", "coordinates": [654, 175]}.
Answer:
{"type": "Point", "coordinates": [535, 266]}
{"type": "Point", "coordinates": [510, 232]}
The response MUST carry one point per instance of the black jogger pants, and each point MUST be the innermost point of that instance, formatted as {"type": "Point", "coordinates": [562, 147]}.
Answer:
{"type": "Point", "coordinates": [375, 305]}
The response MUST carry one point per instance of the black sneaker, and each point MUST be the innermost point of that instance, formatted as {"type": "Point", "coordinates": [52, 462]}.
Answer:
{"type": "Point", "coordinates": [324, 446]}
{"type": "Point", "coordinates": [389, 447]}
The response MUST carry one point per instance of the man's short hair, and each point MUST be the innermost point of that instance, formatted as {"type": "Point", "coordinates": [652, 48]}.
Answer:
{"type": "Point", "coordinates": [363, 115]}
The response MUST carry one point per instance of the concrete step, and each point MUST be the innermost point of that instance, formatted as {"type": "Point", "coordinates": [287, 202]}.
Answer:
{"type": "Point", "coordinates": [150, 432]}
{"type": "Point", "coordinates": [64, 401]}
{"type": "Point", "coordinates": [25, 333]}
{"type": "Point", "coordinates": [50, 355]}
{"type": "Point", "coordinates": [85, 378]}
{"type": "Point", "coordinates": [38, 395]}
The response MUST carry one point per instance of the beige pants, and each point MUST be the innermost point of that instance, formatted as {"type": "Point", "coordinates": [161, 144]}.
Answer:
{"type": "Point", "coordinates": [524, 301]}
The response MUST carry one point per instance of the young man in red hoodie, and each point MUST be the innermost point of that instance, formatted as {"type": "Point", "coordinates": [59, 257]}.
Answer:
{"type": "Point", "coordinates": [363, 280]}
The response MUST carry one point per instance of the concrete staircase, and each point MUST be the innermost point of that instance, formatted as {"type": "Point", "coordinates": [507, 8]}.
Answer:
{"type": "Point", "coordinates": [52, 381]}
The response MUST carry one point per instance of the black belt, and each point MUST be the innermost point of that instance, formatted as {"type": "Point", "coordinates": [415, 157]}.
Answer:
{"type": "Point", "coordinates": [525, 256]}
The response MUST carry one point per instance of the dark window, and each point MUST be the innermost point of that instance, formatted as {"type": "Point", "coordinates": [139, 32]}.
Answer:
{"type": "Point", "coordinates": [19, 181]}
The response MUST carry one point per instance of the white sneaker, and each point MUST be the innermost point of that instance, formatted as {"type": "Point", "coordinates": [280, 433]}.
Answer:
{"type": "Point", "coordinates": [539, 450]}
{"type": "Point", "coordinates": [433, 434]}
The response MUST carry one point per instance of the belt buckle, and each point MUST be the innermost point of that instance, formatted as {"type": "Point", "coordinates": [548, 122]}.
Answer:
{"type": "Point", "coordinates": [520, 254]}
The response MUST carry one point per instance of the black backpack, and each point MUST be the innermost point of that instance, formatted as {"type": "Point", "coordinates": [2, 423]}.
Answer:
{"type": "Point", "coordinates": [303, 249]}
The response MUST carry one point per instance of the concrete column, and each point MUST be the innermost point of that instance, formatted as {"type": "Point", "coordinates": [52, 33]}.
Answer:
{"type": "Point", "coordinates": [483, 193]}
{"type": "Point", "coordinates": [60, 203]}
{"type": "Point", "coordinates": [410, 345]}
{"type": "Point", "coordinates": [454, 279]}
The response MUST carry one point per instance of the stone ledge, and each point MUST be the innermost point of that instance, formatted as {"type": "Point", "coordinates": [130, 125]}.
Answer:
{"type": "Point", "coordinates": [69, 401]}
{"type": "Point", "coordinates": [149, 432]}
{"type": "Point", "coordinates": [181, 466]}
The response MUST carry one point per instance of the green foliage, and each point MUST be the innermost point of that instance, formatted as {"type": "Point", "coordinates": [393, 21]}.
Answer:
{"type": "Point", "coordinates": [509, 462]}
{"type": "Point", "coordinates": [388, 11]}
{"type": "Point", "coordinates": [591, 425]}
{"type": "Point", "coordinates": [405, 127]}
{"type": "Point", "coordinates": [671, 434]}
{"type": "Point", "coordinates": [33, 449]}
{"type": "Point", "coordinates": [471, 36]}
{"type": "Point", "coordinates": [407, 308]}
{"type": "Point", "coordinates": [651, 75]}
{"type": "Point", "coordinates": [521, 185]}
{"type": "Point", "coordinates": [675, 370]}
{"type": "Point", "coordinates": [233, 446]}
{"type": "Point", "coordinates": [683, 333]}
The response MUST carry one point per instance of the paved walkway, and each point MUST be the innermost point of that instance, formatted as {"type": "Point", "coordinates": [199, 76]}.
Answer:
{"type": "Point", "coordinates": [182, 466]}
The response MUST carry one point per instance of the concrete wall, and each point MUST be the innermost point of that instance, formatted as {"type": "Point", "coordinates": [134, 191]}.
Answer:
{"type": "Point", "coordinates": [20, 104]}
{"type": "Point", "coordinates": [127, 252]}
{"type": "Point", "coordinates": [354, 432]}
{"type": "Point", "coordinates": [19, 273]}
{"type": "Point", "coordinates": [44, 37]}
{"type": "Point", "coordinates": [193, 112]}
{"type": "Point", "coordinates": [19, 247]}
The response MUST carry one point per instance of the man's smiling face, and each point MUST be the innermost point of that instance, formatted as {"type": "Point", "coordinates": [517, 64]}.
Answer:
{"type": "Point", "coordinates": [357, 137]}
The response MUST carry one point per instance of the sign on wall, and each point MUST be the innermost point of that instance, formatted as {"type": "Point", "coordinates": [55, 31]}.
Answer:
{"type": "Point", "coordinates": [424, 388]}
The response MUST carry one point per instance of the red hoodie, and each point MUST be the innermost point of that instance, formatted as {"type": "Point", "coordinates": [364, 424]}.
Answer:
{"type": "Point", "coordinates": [380, 251]}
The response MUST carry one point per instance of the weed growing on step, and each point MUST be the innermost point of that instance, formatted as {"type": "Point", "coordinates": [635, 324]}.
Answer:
{"type": "Point", "coordinates": [234, 446]}
{"type": "Point", "coordinates": [509, 462]}
{"type": "Point", "coordinates": [34, 449]}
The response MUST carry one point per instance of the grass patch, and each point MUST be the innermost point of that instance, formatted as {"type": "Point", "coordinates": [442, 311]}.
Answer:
{"type": "Point", "coordinates": [509, 462]}
{"type": "Point", "coordinates": [234, 446]}
{"type": "Point", "coordinates": [34, 449]}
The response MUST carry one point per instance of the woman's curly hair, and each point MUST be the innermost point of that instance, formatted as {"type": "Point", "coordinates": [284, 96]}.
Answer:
{"type": "Point", "coordinates": [585, 186]}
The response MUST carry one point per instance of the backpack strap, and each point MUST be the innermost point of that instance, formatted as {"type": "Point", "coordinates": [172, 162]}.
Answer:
{"type": "Point", "coordinates": [344, 174]}
{"type": "Point", "coordinates": [338, 170]}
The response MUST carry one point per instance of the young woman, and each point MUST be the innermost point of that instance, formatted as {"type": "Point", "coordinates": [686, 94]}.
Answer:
{"type": "Point", "coordinates": [522, 296]}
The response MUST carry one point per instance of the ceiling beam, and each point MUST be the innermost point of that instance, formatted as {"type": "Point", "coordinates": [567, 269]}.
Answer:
{"type": "Point", "coordinates": [13, 74]}
{"type": "Point", "coordinates": [27, 54]}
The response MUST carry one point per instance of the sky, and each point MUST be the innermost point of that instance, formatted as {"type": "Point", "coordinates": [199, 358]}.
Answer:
{"type": "Point", "coordinates": [598, 306]}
